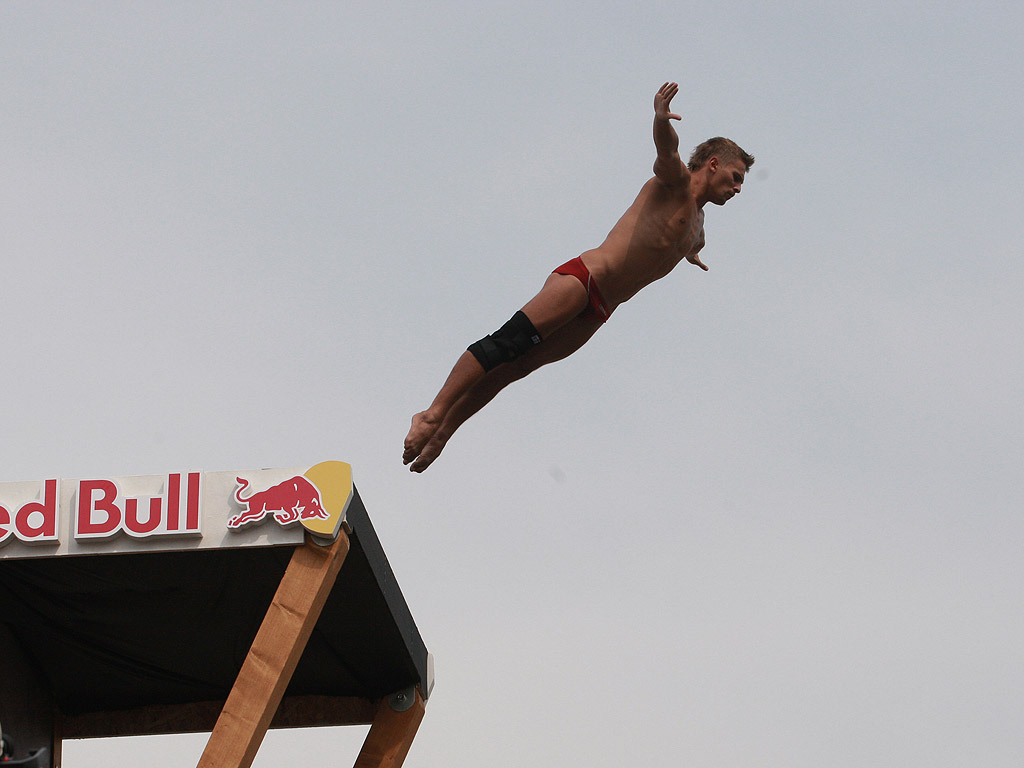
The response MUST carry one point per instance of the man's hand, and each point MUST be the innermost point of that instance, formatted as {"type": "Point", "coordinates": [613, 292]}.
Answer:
{"type": "Point", "coordinates": [668, 165]}
{"type": "Point", "coordinates": [663, 98]}
{"type": "Point", "coordinates": [694, 258]}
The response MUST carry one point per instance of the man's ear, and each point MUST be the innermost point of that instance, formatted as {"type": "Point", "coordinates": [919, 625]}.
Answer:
{"type": "Point", "coordinates": [713, 164]}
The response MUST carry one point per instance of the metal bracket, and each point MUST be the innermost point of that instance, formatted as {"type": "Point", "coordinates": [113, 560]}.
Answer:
{"type": "Point", "coordinates": [401, 701]}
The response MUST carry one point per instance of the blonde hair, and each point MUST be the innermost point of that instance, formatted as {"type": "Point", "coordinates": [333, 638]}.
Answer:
{"type": "Point", "coordinates": [726, 150]}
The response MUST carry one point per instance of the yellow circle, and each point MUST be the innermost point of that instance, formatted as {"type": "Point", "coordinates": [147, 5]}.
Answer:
{"type": "Point", "coordinates": [334, 481]}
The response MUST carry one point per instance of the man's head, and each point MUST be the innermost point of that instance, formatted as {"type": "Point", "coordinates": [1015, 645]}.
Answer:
{"type": "Point", "coordinates": [726, 150]}
{"type": "Point", "coordinates": [723, 166]}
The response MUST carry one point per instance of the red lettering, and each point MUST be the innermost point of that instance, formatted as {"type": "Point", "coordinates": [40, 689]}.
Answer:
{"type": "Point", "coordinates": [5, 522]}
{"type": "Point", "coordinates": [173, 500]}
{"type": "Point", "coordinates": [136, 527]}
{"type": "Point", "coordinates": [37, 520]}
{"type": "Point", "coordinates": [87, 525]}
{"type": "Point", "coordinates": [192, 505]}
{"type": "Point", "coordinates": [100, 513]}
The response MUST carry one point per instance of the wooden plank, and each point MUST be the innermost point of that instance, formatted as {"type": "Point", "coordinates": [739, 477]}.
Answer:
{"type": "Point", "coordinates": [314, 711]}
{"type": "Point", "coordinates": [275, 652]}
{"type": "Point", "coordinates": [144, 721]}
{"type": "Point", "coordinates": [391, 735]}
{"type": "Point", "coordinates": [196, 717]}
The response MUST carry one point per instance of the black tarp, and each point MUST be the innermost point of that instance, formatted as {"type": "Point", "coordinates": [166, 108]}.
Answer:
{"type": "Point", "coordinates": [114, 632]}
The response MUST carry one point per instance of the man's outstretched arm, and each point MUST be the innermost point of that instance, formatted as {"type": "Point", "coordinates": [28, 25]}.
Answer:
{"type": "Point", "coordinates": [668, 166]}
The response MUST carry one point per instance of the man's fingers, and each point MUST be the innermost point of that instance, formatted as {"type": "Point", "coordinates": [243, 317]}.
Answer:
{"type": "Point", "coordinates": [665, 95]}
{"type": "Point", "coordinates": [668, 91]}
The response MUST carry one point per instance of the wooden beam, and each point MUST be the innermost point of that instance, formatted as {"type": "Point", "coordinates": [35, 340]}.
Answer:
{"type": "Point", "coordinates": [275, 652]}
{"type": "Point", "coordinates": [196, 717]}
{"type": "Point", "coordinates": [144, 721]}
{"type": "Point", "coordinates": [315, 711]}
{"type": "Point", "coordinates": [391, 735]}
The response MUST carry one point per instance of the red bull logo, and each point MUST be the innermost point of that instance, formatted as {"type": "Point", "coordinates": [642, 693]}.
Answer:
{"type": "Point", "coordinates": [289, 502]}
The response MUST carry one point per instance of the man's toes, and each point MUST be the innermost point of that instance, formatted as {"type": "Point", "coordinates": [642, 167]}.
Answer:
{"type": "Point", "coordinates": [430, 452]}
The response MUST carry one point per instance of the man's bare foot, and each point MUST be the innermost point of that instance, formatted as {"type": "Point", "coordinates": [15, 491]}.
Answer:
{"type": "Point", "coordinates": [430, 451]}
{"type": "Point", "coordinates": [424, 425]}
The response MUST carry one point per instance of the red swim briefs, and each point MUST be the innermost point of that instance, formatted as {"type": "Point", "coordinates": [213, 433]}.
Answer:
{"type": "Point", "coordinates": [596, 308]}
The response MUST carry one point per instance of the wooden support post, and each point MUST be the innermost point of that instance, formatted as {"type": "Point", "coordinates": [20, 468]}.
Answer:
{"type": "Point", "coordinates": [391, 735]}
{"type": "Point", "coordinates": [274, 654]}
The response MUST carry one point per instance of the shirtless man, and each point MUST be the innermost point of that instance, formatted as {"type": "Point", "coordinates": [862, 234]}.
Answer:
{"type": "Point", "coordinates": [663, 226]}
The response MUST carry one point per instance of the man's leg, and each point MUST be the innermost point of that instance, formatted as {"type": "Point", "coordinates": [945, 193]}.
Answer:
{"type": "Point", "coordinates": [560, 344]}
{"type": "Point", "coordinates": [561, 299]}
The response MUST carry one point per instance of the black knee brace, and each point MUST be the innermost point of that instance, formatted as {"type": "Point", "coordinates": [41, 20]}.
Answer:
{"type": "Point", "coordinates": [507, 343]}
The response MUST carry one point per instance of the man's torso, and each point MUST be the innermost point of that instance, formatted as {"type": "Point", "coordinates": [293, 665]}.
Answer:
{"type": "Point", "coordinates": [661, 228]}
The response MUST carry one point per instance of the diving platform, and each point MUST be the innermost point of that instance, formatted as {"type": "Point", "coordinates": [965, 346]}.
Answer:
{"type": "Point", "coordinates": [225, 602]}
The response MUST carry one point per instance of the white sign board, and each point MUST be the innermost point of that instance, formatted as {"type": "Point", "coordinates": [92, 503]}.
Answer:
{"type": "Point", "coordinates": [179, 510]}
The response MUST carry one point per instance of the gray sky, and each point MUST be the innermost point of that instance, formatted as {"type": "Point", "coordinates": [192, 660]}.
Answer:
{"type": "Point", "coordinates": [769, 516]}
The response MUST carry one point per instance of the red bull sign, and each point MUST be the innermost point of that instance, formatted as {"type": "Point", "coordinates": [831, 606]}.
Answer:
{"type": "Point", "coordinates": [179, 510]}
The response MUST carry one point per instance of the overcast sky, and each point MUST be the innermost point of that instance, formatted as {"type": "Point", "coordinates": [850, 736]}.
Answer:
{"type": "Point", "coordinates": [769, 516]}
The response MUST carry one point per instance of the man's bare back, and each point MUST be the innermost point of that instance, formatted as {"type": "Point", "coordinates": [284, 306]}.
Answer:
{"type": "Point", "coordinates": [663, 226]}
